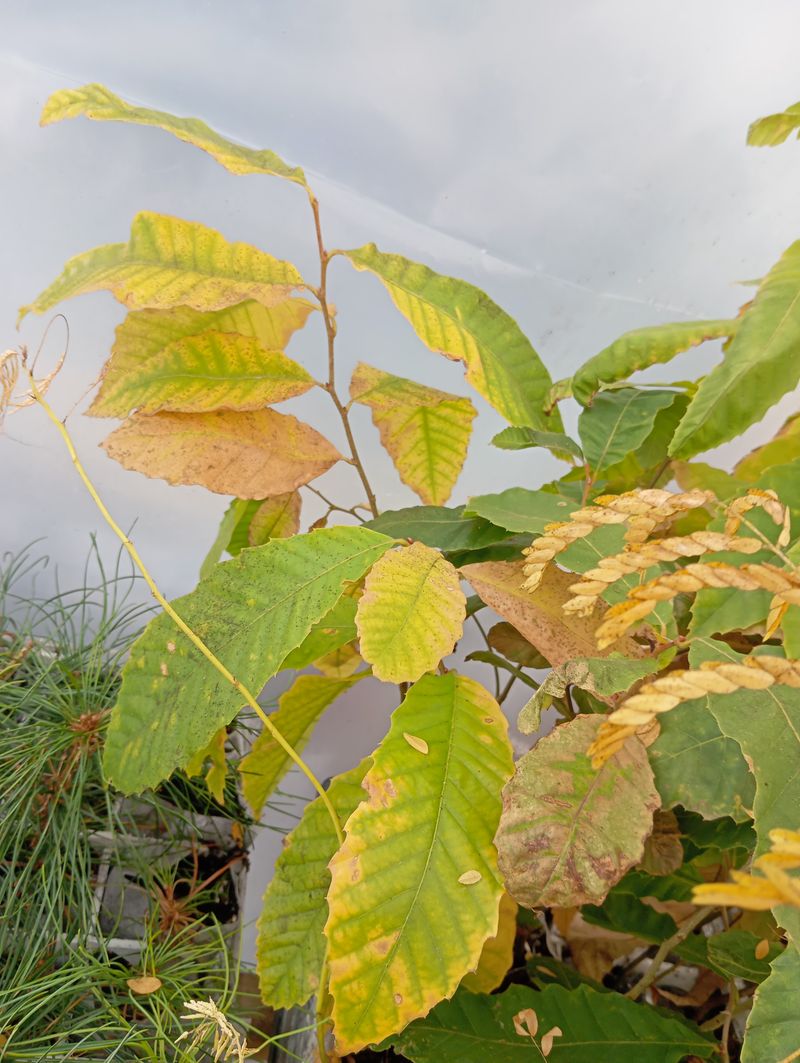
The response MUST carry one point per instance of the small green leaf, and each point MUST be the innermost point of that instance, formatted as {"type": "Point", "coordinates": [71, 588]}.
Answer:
{"type": "Point", "coordinates": [290, 945]}
{"type": "Point", "coordinates": [524, 438]}
{"type": "Point", "coordinates": [642, 348]}
{"type": "Point", "coordinates": [568, 832]}
{"type": "Point", "coordinates": [335, 629]}
{"type": "Point", "coordinates": [520, 510]}
{"type": "Point", "coordinates": [438, 526]}
{"type": "Point", "coordinates": [252, 612]}
{"type": "Point", "coordinates": [757, 369]}
{"type": "Point", "coordinates": [460, 321]}
{"type": "Point", "coordinates": [617, 423]}
{"type": "Point", "coordinates": [784, 447]}
{"type": "Point", "coordinates": [299, 710]}
{"type": "Point", "coordinates": [734, 952]}
{"type": "Point", "coordinates": [418, 854]}
{"type": "Point", "coordinates": [98, 102]}
{"type": "Point", "coordinates": [170, 263]}
{"type": "Point", "coordinates": [227, 528]}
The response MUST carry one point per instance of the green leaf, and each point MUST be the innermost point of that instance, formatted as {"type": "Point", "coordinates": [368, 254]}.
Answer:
{"type": "Point", "coordinates": [411, 613]}
{"type": "Point", "coordinates": [642, 348]}
{"type": "Point", "coordinates": [256, 521]}
{"type": "Point", "coordinates": [649, 462]}
{"type": "Point", "coordinates": [523, 438]}
{"type": "Point", "coordinates": [689, 742]}
{"type": "Point", "coordinates": [697, 475]}
{"type": "Point", "coordinates": [227, 528]}
{"type": "Point", "coordinates": [98, 102]}
{"type": "Point", "coordinates": [520, 510]}
{"type": "Point", "coordinates": [774, 129]}
{"type": "Point", "coordinates": [290, 945]}
{"type": "Point", "coordinates": [759, 366]}
{"type": "Point", "coordinates": [617, 423]}
{"type": "Point", "coordinates": [568, 832]}
{"type": "Point", "coordinates": [426, 432]}
{"type": "Point", "coordinates": [598, 675]}
{"type": "Point", "coordinates": [168, 263]}
{"type": "Point", "coordinates": [773, 1026]}
{"type": "Point", "coordinates": [299, 710]}
{"type": "Point", "coordinates": [461, 322]}
{"type": "Point", "coordinates": [217, 771]}
{"type": "Point", "coordinates": [734, 952]}
{"type": "Point", "coordinates": [418, 855]}
{"type": "Point", "coordinates": [252, 612]}
{"type": "Point", "coordinates": [784, 447]}
{"type": "Point", "coordinates": [595, 1026]}
{"type": "Point", "coordinates": [438, 526]}
{"type": "Point", "coordinates": [250, 454]}
{"type": "Point", "coordinates": [335, 629]}
{"type": "Point", "coordinates": [145, 336]}
{"type": "Point", "coordinates": [215, 370]}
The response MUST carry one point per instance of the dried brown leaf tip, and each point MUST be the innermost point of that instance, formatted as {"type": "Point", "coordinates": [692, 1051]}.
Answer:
{"type": "Point", "coordinates": [144, 985]}
{"type": "Point", "coordinates": [669, 691]}
{"type": "Point", "coordinates": [755, 498]}
{"type": "Point", "coordinates": [644, 511]}
{"type": "Point", "coordinates": [770, 887]}
{"type": "Point", "coordinates": [526, 1024]}
{"type": "Point", "coordinates": [11, 364]}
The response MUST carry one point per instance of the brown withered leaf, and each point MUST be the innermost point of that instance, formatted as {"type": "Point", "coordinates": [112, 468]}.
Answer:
{"type": "Point", "coordinates": [144, 985]}
{"type": "Point", "coordinates": [538, 615]}
{"type": "Point", "coordinates": [247, 454]}
{"type": "Point", "coordinates": [595, 950]}
{"type": "Point", "coordinates": [568, 833]}
{"type": "Point", "coordinates": [663, 852]}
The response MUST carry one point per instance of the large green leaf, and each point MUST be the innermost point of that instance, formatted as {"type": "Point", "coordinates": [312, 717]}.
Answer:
{"type": "Point", "coordinates": [411, 613]}
{"type": "Point", "coordinates": [774, 129]}
{"type": "Point", "coordinates": [215, 370]}
{"type": "Point", "coordinates": [290, 944]}
{"type": "Point", "coordinates": [251, 611]}
{"type": "Point", "coordinates": [642, 348]}
{"type": "Point", "coordinates": [557, 443]}
{"type": "Point", "coordinates": [426, 432]}
{"type": "Point", "coordinates": [689, 743]}
{"type": "Point", "coordinates": [145, 336]}
{"type": "Point", "coordinates": [617, 423]}
{"type": "Point", "coordinates": [649, 462]}
{"type": "Point", "coordinates": [759, 366]}
{"type": "Point", "coordinates": [418, 855]}
{"type": "Point", "coordinates": [568, 833]}
{"type": "Point", "coordinates": [169, 262]}
{"type": "Point", "coordinates": [98, 102]}
{"type": "Point", "coordinates": [461, 322]}
{"type": "Point", "coordinates": [773, 1026]}
{"type": "Point", "coordinates": [595, 1027]}
{"type": "Point", "coordinates": [299, 711]}
{"type": "Point", "coordinates": [439, 526]}
{"type": "Point", "coordinates": [518, 509]}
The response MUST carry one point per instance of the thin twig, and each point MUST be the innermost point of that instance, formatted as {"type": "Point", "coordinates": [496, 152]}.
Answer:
{"type": "Point", "coordinates": [330, 330]}
{"type": "Point", "coordinates": [664, 949]}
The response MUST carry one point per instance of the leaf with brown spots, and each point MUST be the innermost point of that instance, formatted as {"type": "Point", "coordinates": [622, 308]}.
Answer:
{"type": "Point", "coordinates": [418, 856]}
{"type": "Point", "coordinates": [538, 615]}
{"type": "Point", "coordinates": [251, 455]}
{"type": "Point", "coordinates": [569, 833]}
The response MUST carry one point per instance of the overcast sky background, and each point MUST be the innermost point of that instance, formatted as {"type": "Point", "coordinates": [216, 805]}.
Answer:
{"type": "Point", "coordinates": [585, 163]}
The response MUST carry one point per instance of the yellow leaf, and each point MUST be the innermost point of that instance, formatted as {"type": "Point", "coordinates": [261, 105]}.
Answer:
{"type": "Point", "coordinates": [299, 710]}
{"type": "Point", "coordinates": [498, 951]}
{"type": "Point", "coordinates": [98, 102]}
{"type": "Point", "coordinates": [170, 262]}
{"type": "Point", "coordinates": [277, 517]}
{"type": "Point", "coordinates": [215, 370]}
{"type": "Point", "coordinates": [538, 615]}
{"type": "Point", "coordinates": [249, 455]}
{"type": "Point", "coordinates": [340, 662]}
{"type": "Point", "coordinates": [425, 431]}
{"type": "Point", "coordinates": [411, 613]}
{"type": "Point", "coordinates": [142, 340]}
{"type": "Point", "coordinates": [218, 766]}
{"type": "Point", "coordinates": [394, 881]}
